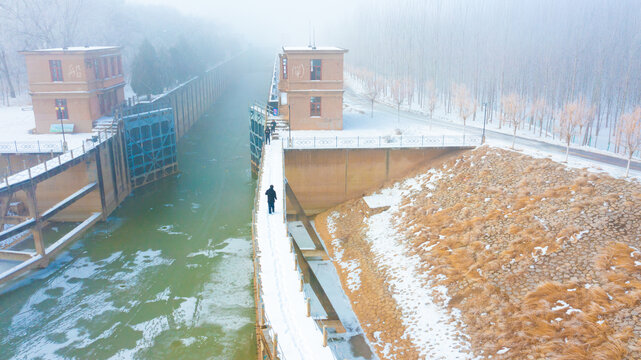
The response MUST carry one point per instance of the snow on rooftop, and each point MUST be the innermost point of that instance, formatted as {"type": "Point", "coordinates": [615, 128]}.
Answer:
{"type": "Point", "coordinates": [316, 48]}
{"type": "Point", "coordinates": [285, 307]}
{"type": "Point", "coordinates": [76, 49]}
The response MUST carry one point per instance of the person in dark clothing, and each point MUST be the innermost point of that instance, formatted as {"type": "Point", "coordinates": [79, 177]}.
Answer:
{"type": "Point", "coordinates": [273, 126]}
{"type": "Point", "coordinates": [268, 136]}
{"type": "Point", "coordinates": [271, 198]}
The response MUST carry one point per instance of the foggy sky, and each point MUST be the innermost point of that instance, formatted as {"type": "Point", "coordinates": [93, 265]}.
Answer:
{"type": "Point", "coordinates": [270, 22]}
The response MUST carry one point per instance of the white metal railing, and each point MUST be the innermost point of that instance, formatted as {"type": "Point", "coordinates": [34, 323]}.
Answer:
{"type": "Point", "coordinates": [388, 141]}
{"type": "Point", "coordinates": [26, 147]}
{"type": "Point", "coordinates": [59, 160]}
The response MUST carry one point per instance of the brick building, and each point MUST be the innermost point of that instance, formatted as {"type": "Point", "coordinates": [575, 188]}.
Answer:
{"type": "Point", "coordinates": [74, 86]}
{"type": "Point", "coordinates": [311, 87]}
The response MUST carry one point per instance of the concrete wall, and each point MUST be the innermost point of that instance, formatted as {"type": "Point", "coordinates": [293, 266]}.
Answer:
{"type": "Point", "coordinates": [323, 178]}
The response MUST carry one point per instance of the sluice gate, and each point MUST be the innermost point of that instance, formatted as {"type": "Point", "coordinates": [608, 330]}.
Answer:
{"type": "Point", "coordinates": [85, 185]}
{"type": "Point", "coordinates": [151, 142]}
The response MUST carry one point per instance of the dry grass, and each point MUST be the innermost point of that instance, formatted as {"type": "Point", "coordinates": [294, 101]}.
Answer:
{"type": "Point", "coordinates": [537, 258]}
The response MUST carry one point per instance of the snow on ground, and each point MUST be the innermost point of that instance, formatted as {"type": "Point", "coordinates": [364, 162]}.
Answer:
{"type": "Point", "coordinates": [285, 307]}
{"type": "Point", "coordinates": [357, 121]}
{"type": "Point", "coordinates": [598, 144]}
{"type": "Point", "coordinates": [17, 124]}
{"type": "Point", "coordinates": [429, 325]}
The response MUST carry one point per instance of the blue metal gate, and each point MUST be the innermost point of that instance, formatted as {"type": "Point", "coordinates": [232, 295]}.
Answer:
{"type": "Point", "coordinates": [256, 135]}
{"type": "Point", "coordinates": [151, 142]}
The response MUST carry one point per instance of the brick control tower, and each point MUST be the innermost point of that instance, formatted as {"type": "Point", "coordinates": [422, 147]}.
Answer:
{"type": "Point", "coordinates": [72, 87]}
{"type": "Point", "coordinates": [311, 87]}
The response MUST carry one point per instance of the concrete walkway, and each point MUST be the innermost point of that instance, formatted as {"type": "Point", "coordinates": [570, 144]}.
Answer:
{"type": "Point", "coordinates": [285, 307]}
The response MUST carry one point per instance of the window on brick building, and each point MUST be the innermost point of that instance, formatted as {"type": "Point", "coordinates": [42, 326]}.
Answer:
{"type": "Point", "coordinates": [62, 112]}
{"type": "Point", "coordinates": [105, 66]}
{"type": "Point", "coordinates": [119, 65]}
{"type": "Point", "coordinates": [101, 100]}
{"type": "Point", "coordinates": [315, 106]}
{"type": "Point", "coordinates": [284, 68]}
{"type": "Point", "coordinates": [315, 69]}
{"type": "Point", "coordinates": [96, 69]}
{"type": "Point", "coordinates": [113, 66]}
{"type": "Point", "coordinates": [55, 67]}
{"type": "Point", "coordinates": [114, 97]}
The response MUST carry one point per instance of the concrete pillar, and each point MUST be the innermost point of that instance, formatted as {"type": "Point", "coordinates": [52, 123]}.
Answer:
{"type": "Point", "coordinates": [101, 183]}
{"type": "Point", "coordinates": [5, 201]}
{"type": "Point", "coordinates": [36, 230]}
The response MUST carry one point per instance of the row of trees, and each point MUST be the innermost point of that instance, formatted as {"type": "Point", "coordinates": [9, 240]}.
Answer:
{"type": "Point", "coordinates": [38, 24]}
{"type": "Point", "coordinates": [565, 123]}
{"type": "Point", "coordinates": [532, 63]}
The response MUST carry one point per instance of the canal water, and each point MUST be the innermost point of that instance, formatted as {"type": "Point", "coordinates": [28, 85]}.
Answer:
{"type": "Point", "coordinates": [169, 275]}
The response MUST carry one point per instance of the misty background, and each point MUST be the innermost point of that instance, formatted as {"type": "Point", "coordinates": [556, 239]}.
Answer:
{"type": "Point", "coordinates": [543, 54]}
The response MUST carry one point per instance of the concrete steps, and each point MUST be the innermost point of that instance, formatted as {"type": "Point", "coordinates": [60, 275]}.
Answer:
{"type": "Point", "coordinates": [281, 127]}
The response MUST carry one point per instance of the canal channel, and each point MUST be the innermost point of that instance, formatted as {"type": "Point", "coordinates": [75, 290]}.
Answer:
{"type": "Point", "coordinates": [169, 275]}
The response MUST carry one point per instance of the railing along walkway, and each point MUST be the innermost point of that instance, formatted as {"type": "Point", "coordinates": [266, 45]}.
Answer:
{"type": "Point", "coordinates": [52, 166]}
{"type": "Point", "coordinates": [388, 141]}
{"type": "Point", "coordinates": [30, 147]}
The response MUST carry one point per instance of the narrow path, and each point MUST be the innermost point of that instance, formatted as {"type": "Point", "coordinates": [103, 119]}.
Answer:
{"type": "Point", "coordinates": [285, 307]}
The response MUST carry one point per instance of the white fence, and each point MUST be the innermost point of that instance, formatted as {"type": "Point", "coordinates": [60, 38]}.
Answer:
{"type": "Point", "coordinates": [59, 160]}
{"type": "Point", "coordinates": [32, 147]}
{"type": "Point", "coordinates": [389, 141]}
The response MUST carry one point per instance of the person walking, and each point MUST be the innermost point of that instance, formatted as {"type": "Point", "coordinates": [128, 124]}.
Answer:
{"type": "Point", "coordinates": [273, 126]}
{"type": "Point", "coordinates": [268, 136]}
{"type": "Point", "coordinates": [271, 198]}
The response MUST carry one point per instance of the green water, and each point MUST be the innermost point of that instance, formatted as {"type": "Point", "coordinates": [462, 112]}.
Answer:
{"type": "Point", "coordinates": [169, 275]}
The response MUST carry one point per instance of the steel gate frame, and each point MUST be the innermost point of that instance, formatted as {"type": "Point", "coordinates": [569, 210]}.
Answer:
{"type": "Point", "coordinates": [150, 136]}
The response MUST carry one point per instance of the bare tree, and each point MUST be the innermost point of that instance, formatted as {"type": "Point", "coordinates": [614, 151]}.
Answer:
{"type": "Point", "coordinates": [408, 85]}
{"type": "Point", "coordinates": [373, 87]}
{"type": "Point", "coordinates": [398, 94]}
{"type": "Point", "coordinates": [513, 108]}
{"type": "Point", "coordinates": [432, 99]}
{"type": "Point", "coordinates": [463, 102]}
{"type": "Point", "coordinates": [531, 50]}
{"type": "Point", "coordinates": [572, 117]}
{"type": "Point", "coordinates": [537, 111]}
{"type": "Point", "coordinates": [630, 134]}
{"type": "Point", "coordinates": [4, 68]}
